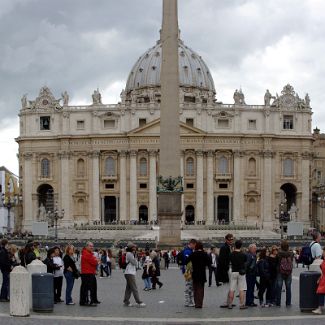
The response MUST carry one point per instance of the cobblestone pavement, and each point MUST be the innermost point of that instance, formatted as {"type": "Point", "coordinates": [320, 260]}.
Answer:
{"type": "Point", "coordinates": [164, 306]}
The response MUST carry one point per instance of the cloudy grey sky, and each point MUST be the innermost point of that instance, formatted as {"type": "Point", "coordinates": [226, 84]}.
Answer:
{"type": "Point", "coordinates": [79, 45]}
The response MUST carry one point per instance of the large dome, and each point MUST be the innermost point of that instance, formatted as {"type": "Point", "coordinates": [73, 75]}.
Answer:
{"type": "Point", "coordinates": [193, 72]}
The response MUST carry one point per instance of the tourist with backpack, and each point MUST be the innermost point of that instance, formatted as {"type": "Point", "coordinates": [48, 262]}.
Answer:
{"type": "Point", "coordinates": [312, 251]}
{"type": "Point", "coordinates": [321, 289]}
{"type": "Point", "coordinates": [315, 247]}
{"type": "Point", "coordinates": [183, 259]}
{"type": "Point", "coordinates": [129, 274]}
{"type": "Point", "coordinates": [284, 273]}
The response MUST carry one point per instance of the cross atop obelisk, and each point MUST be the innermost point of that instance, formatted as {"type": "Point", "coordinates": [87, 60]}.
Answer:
{"type": "Point", "coordinates": [169, 108]}
{"type": "Point", "coordinates": [169, 183]}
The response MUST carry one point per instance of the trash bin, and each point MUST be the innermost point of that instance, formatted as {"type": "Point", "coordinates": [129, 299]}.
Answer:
{"type": "Point", "coordinates": [42, 292]}
{"type": "Point", "coordinates": [308, 299]}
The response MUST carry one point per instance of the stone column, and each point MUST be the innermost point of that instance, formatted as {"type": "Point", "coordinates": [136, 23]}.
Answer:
{"type": "Point", "coordinates": [133, 186]}
{"type": "Point", "coordinates": [182, 175]}
{"type": "Point", "coordinates": [199, 212]}
{"type": "Point", "coordinates": [267, 211]}
{"type": "Point", "coordinates": [210, 191]}
{"type": "Point", "coordinates": [102, 219]}
{"type": "Point", "coordinates": [95, 209]}
{"type": "Point", "coordinates": [27, 191]}
{"type": "Point", "coordinates": [303, 213]}
{"type": "Point", "coordinates": [237, 201]}
{"type": "Point", "coordinates": [65, 188]}
{"type": "Point", "coordinates": [123, 194]}
{"type": "Point", "coordinates": [152, 186]}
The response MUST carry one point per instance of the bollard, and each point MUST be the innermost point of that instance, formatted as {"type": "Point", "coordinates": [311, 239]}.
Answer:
{"type": "Point", "coordinates": [36, 266]}
{"type": "Point", "coordinates": [19, 292]}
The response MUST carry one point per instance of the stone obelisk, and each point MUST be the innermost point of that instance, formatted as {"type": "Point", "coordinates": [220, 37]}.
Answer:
{"type": "Point", "coordinates": [169, 183]}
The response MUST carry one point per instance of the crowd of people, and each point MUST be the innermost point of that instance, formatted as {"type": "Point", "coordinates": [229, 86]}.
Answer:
{"type": "Point", "coordinates": [245, 269]}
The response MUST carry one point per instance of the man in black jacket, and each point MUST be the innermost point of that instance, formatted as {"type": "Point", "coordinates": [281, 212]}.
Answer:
{"type": "Point", "coordinates": [5, 266]}
{"type": "Point", "coordinates": [224, 259]}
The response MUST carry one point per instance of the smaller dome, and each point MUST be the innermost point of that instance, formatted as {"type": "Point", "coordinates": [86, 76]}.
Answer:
{"type": "Point", "coordinates": [193, 72]}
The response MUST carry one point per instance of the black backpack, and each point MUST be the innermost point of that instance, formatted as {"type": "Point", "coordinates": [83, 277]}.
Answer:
{"type": "Point", "coordinates": [179, 258]}
{"type": "Point", "coordinates": [305, 255]}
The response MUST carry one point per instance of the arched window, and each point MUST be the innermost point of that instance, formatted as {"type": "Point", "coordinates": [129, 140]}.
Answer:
{"type": "Point", "coordinates": [45, 168]}
{"type": "Point", "coordinates": [288, 167]}
{"type": "Point", "coordinates": [252, 167]}
{"type": "Point", "coordinates": [143, 167]}
{"type": "Point", "coordinates": [190, 166]}
{"type": "Point", "coordinates": [251, 207]}
{"type": "Point", "coordinates": [110, 166]}
{"type": "Point", "coordinates": [223, 165]}
{"type": "Point", "coordinates": [80, 168]}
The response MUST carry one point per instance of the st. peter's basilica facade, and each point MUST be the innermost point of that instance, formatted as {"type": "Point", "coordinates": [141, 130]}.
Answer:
{"type": "Point", "coordinates": [241, 164]}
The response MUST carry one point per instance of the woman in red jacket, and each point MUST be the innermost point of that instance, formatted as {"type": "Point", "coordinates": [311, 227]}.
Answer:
{"type": "Point", "coordinates": [321, 288]}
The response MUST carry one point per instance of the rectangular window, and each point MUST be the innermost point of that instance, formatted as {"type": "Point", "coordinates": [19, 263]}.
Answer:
{"type": "Point", "coordinates": [80, 125]}
{"type": "Point", "coordinates": [143, 185]}
{"type": "Point", "coordinates": [109, 186]}
{"type": "Point", "coordinates": [109, 124]}
{"type": "Point", "coordinates": [142, 122]}
{"type": "Point", "coordinates": [222, 185]}
{"type": "Point", "coordinates": [190, 122]}
{"type": "Point", "coordinates": [223, 124]}
{"type": "Point", "coordinates": [45, 123]}
{"type": "Point", "coordinates": [189, 185]}
{"type": "Point", "coordinates": [251, 124]}
{"type": "Point", "coordinates": [288, 122]}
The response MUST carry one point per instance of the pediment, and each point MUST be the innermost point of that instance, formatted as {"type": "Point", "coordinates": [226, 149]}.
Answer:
{"type": "Point", "coordinates": [153, 128]}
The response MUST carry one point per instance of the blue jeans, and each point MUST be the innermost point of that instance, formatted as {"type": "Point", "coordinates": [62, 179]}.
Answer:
{"type": "Point", "coordinates": [147, 283]}
{"type": "Point", "coordinates": [250, 281]}
{"type": "Point", "coordinates": [287, 279]}
{"type": "Point", "coordinates": [70, 282]}
{"type": "Point", "coordinates": [321, 299]}
{"type": "Point", "coordinates": [5, 285]}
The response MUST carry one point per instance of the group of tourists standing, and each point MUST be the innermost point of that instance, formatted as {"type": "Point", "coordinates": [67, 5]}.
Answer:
{"type": "Point", "coordinates": [244, 269]}
{"type": "Point", "coordinates": [267, 271]}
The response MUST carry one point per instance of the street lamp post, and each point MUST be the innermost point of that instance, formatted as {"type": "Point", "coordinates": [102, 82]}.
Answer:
{"type": "Point", "coordinates": [321, 203]}
{"type": "Point", "coordinates": [282, 216]}
{"type": "Point", "coordinates": [9, 201]}
{"type": "Point", "coordinates": [55, 216]}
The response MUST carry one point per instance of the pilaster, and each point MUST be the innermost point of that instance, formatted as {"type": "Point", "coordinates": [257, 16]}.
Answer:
{"type": "Point", "coordinates": [123, 194]}
{"type": "Point", "coordinates": [210, 192]}
{"type": "Point", "coordinates": [152, 186]}
{"type": "Point", "coordinates": [199, 213]}
{"type": "Point", "coordinates": [133, 185]}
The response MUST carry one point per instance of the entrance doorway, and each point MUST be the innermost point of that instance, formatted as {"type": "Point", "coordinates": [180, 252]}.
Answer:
{"type": "Point", "coordinates": [290, 194]}
{"type": "Point", "coordinates": [46, 197]}
{"type": "Point", "coordinates": [110, 209]}
{"type": "Point", "coordinates": [189, 215]}
{"type": "Point", "coordinates": [143, 214]}
{"type": "Point", "coordinates": [223, 209]}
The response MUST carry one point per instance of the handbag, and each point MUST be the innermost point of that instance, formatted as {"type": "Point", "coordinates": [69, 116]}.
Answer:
{"type": "Point", "coordinates": [242, 272]}
{"type": "Point", "coordinates": [76, 274]}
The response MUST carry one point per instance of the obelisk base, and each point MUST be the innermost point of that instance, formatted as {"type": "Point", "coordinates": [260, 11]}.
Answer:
{"type": "Point", "coordinates": [169, 216]}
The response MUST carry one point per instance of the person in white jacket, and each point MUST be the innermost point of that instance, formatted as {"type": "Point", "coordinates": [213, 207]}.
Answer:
{"type": "Point", "coordinates": [129, 274]}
